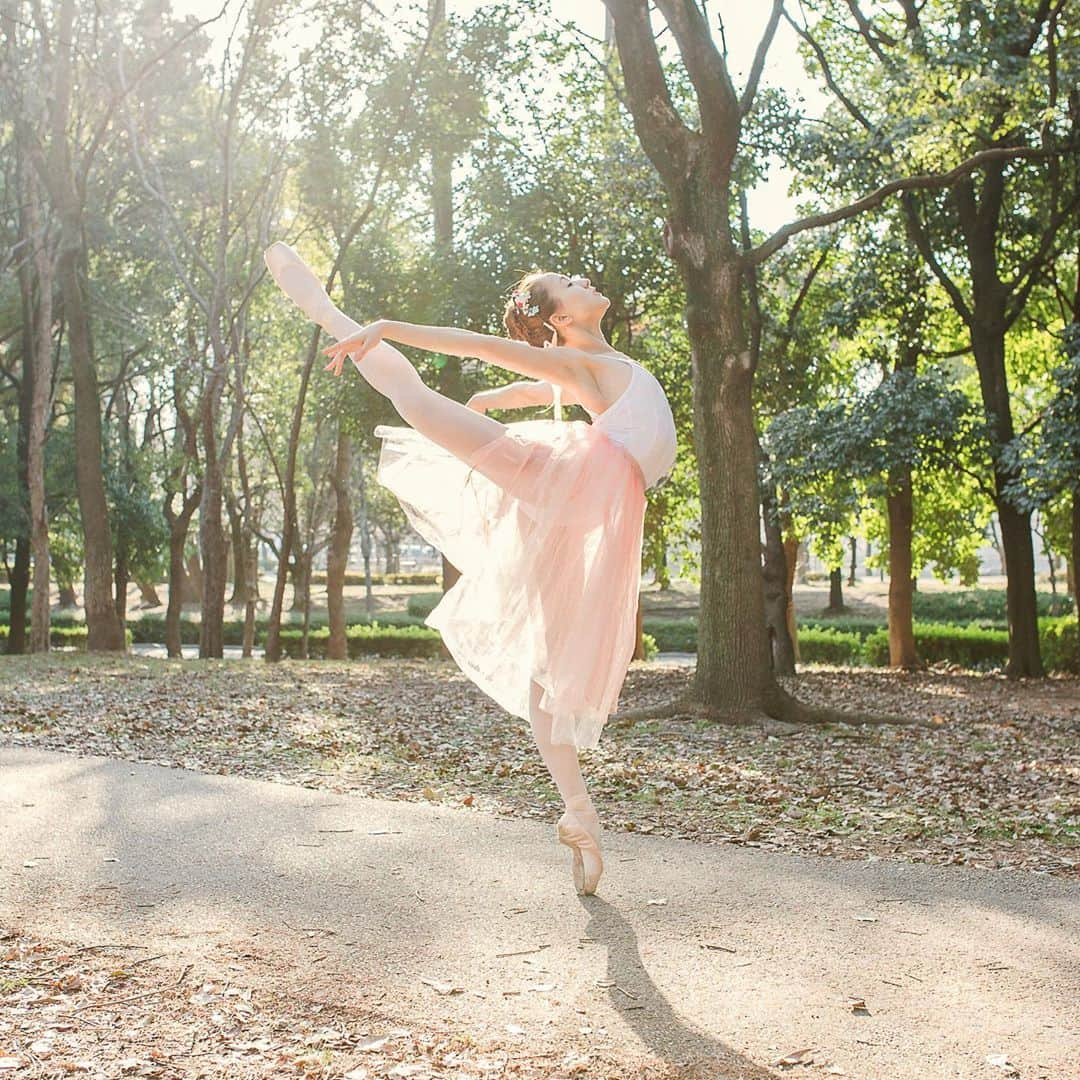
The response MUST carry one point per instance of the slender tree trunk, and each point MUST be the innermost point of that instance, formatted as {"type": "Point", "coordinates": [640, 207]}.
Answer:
{"type": "Point", "coordinates": [40, 402]}
{"type": "Point", "coordinates": [337, 558]}
{"type": "Point", "coordinates": [902, 651]}
{"type": "Point", "coordinates": [238, 549]}
{"type": "Point", "coordinates": [775, 576]}
{"type": "Point", "coordinates": [178, 577]}
{"type": "Point", "coordinates": [120, 580]}
{"type": "Point", "coordinates": [105, 632]}
{"type": "Point", "coordinates": [792, 547]}
{"type": "Point", "coordinates": [148, 594]}
{"type": "Point", "coordinates": [836, 591]}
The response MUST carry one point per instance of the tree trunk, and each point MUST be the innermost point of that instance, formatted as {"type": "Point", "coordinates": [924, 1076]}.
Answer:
{"type": "Point", "coordinates": [775, 576]}
{"type": "Point", "coordinates": [792, 547]}
{"type": "Point", "coordinates": [734, 669]}
{"type": "Point", "coordinates": [40, 318]}
{"type": "Point", "coordinates": [238, 549]}
{"type": "Point", "coordinates": [337, 559]}
{"type": "Point", "coordinates": [121, 583]}
{"type": "Point", "coordinates": [1073, 567]}
{"type": "Point", "coordinates": [902, 651]}
{"type": "Point", "coordinates": [178, 577]}
{"type": "Point", "coordinates": [988, 342]}
{"type": "Point", "coordinates": [251, 578]}
{"type": "Point", "coordinates": [148, 594]}
{"type": "Point", "coordinates": [18, 580]}
{"type": "Point", "coordinates": [836, 591]}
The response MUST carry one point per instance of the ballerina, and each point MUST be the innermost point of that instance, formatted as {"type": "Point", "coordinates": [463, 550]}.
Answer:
{"type": "Point", "coordinates": [544, 518]}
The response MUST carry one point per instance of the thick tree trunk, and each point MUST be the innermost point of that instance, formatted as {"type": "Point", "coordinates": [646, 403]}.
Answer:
{"type": "Point", "coordinates": [337, 559]}
{"type": "Point", "coordinates": [988, 341]}
{"type": "Point", "coordinates": [902, 651]}
{"type": "Point", "coordinates": [734, 669]}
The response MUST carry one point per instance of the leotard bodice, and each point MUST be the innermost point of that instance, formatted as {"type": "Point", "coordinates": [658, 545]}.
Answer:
{"type": "Point", "coordinates": [639, 419]}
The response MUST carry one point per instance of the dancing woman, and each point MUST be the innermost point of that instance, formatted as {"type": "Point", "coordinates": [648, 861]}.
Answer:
{"type": "Point", "coordinates": [544, 518]}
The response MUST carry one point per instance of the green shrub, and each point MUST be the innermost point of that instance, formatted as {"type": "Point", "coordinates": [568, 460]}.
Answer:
{"type": "Point", "coordinates": [64, 636]}
{"type": "Point", "coordinates": [648, 644]}
{"type": "Point", "coordinates": [1059, 644]}
{"type": "Point", "coordinates": [976, 605]}
{"type": "Point", "coordinates": [969, 646]}
{"type": "Point", "coordinates": [846, 624]}
{"type": "Point", "coordinates": [829, 646]}
{"type": "Point", "coordinates": [426, 577]}
{"type": "Point", "coordinates": [368, 639]}
{"type": "Point", "coordinates": [672, 635]}
{"type": "Point", "coordinates": [420, 604]}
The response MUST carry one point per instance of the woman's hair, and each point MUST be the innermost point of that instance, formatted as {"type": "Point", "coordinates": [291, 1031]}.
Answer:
{"type": "Point", "coordinates": [519, 324]}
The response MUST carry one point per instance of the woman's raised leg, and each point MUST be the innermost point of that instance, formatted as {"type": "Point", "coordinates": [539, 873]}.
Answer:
{"type": "Point", "coordinates": [454, 426]}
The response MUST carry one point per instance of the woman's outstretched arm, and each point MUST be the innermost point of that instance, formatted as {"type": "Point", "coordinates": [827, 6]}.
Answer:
{"type": "Point", "coordinates": [522, 394]}
{"type": "Point", "coordinates": [554, 363]}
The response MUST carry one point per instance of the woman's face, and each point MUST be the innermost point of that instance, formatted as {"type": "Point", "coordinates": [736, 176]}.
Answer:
{"type": "Point", "coordinates": [575, 296]}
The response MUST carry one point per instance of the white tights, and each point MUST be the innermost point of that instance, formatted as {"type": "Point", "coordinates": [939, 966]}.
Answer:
{"type": "Point", "coordinates": [561, 760]}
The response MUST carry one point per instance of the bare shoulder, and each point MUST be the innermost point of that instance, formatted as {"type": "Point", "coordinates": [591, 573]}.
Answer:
{"type": "Point", "coordinates": [598, 379]}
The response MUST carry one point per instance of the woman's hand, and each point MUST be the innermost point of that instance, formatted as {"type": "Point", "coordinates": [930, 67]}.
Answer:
{"type": "Point", "coordinates": [480, 401]}
{"type": "Point", "coordinates": [354, 346]}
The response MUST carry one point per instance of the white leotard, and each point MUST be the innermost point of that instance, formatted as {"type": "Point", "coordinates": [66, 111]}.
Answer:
{"type": "Point", "coordinates": [639, 419]}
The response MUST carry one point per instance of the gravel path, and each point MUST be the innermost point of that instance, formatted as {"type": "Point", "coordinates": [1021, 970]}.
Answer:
{"type": "Point", "coordinates": [689, 952]}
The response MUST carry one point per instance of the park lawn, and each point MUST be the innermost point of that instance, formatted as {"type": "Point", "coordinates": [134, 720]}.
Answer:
{"type": "Point", "coordinates": [992, 783]}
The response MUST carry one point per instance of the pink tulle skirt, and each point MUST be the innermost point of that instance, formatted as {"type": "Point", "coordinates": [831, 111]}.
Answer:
{"type": "Point", "coordinates": [545, 524]}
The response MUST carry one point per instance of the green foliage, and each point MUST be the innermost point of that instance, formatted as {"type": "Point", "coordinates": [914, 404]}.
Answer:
{"type": "Point", "coordinates": [829, 646]}
{"type": "Point", "coordinates": [1046, 462]}
{"type": "Point", "coordinates": [64, 637]}
{"type": "Point", "coordinates": [1059, 644]}
{"type": "Point", "coordinates": [374, 639]}
{"type": "Point", "coordinates": [976, 605]}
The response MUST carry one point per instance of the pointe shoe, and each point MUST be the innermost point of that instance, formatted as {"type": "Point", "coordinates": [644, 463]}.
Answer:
{"type": "Point", "coordinates": [588, 863]}
{"type": "Point", "coordinates": [295, 278]}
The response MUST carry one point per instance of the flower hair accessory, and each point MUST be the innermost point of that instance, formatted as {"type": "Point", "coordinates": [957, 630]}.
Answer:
{"type": "Point", "coordinates": [521, 298]}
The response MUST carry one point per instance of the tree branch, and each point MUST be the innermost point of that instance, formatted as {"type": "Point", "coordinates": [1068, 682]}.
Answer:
{"type": "Point", "coordinates": [746, 102]}
{"type": "Point", "coordinates": [925, 181]}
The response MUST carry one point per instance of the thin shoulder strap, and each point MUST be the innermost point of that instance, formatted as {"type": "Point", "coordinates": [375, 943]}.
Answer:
{"type": "Point", "coordinates": [557, 399]}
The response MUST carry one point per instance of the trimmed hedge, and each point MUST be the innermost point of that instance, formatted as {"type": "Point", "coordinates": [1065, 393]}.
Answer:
{"type": "Point", "coordinates": [367, 639]}
{"type": "Point", "coordinates": [64, 636]}
{"type": "Point", "coordinates": [854, 641]}
{"type": "Point", "coordinates": [427, 577]}
{"type": "Point", "coordinates": [829, 646]}
{"type": "Point", "coordinates": [1059, 644]}
{"type": "Point", "coordinates": [967, 606]}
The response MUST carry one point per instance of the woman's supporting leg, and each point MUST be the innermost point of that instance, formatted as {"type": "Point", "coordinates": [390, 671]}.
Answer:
{"type": "Point", "coordinates": [561, 760]}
